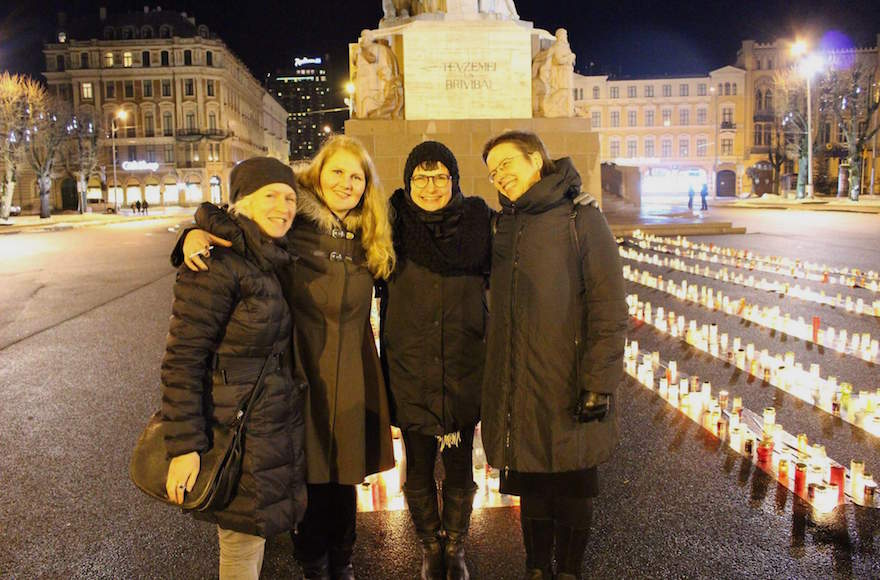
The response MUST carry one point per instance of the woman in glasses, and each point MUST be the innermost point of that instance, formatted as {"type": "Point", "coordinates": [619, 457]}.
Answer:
{"type": "Point", "coordinates": [433, 349]}
{"type": "Point", "coordinates": [555, 349]}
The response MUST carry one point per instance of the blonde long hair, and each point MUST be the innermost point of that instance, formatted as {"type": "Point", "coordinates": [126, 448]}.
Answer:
{"type": "Point", "coordinates": [373, 208]}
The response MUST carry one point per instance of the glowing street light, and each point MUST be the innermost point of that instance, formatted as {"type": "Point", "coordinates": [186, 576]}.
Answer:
{"type": "Point", "coordinates": [809, 65]}
{"type": "Point", "coordinates": [349, 88]}
{"type": "Point", "coordinates": [121, 115]}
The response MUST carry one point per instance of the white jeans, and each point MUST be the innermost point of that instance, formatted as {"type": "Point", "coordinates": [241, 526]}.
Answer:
{"type": "Point", "coordinates": [241, 555]}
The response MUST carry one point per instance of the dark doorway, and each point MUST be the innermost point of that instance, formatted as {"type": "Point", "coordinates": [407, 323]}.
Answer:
{"type": "Point", "coordinates": [725, 185]}
{"type": "Point", "coordinates": [68, 194]}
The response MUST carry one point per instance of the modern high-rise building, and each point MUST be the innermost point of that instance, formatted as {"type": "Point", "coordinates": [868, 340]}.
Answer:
{"type": "Point", "coordinates": [304, 90]}
{"type": "Point", "coordinates": [185, 107]}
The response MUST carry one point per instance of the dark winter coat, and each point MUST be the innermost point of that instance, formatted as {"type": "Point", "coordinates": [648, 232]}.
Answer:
{"type": "Point", "coordinates": [224, 324]}
{"type": "Point", "coordinates": [434, 316]}
{"type": "Point", "coordinates": [557, 326]}
{"type": "Point", "coordinates": [329, 290]}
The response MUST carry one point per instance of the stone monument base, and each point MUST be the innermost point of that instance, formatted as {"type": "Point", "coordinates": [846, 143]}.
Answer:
{"type": "Point", "coordinates": [390, 141]}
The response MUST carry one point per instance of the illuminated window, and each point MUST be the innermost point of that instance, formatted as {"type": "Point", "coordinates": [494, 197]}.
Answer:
{"type": "Point", "coordinates": [126, 59]}
{"type": "Point", "coordinates": [87, 91]}
{"type": "Point", "coordinates": [667, 117]}
{"type": "Point", "coordinates": [108, 59]}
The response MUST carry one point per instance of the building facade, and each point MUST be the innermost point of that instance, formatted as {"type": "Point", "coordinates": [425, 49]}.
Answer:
{"type": "Point", "coordinates": [714, 129]}
{"type": "Point", "coordinates": [305, 92]}
{"type": "Point", "coordinates": [174, 101]}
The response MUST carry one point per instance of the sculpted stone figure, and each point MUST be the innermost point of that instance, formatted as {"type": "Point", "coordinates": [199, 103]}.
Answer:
{"type": "Point", "coordinates": [553, 79]}
{"type": "Point", "coordinates": [376, 76]}
{"type": "Point", "coordinates": [500, 7]}
{"type": "Point", "coordinates": [396, 8]}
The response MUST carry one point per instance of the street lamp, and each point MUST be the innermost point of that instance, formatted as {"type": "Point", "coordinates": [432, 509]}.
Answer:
{"type": "Point", "coordinates": [808, 66]}
{"type": "Point", "coordinates": [121, 115]}
{"type": "Point", "coordinates": [714, 92]}
{"type": "Point", "coordinates": [349, 88]}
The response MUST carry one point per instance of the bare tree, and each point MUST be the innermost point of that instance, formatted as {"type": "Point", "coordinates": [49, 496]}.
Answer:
{"type": "Point", "coordinates": [44, 135]}
{"type": "Point", "coordinates": [849, 93]}
{"type": "Point", "coordinates": [13, 104]}
{"type": "Point", "coordinates": [790, 130]}
{"type": "Point", "coordinates": [80, 153]}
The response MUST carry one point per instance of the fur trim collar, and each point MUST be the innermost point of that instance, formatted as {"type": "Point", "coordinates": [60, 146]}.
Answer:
{"type": "Point", "coordinates": [311, 207]}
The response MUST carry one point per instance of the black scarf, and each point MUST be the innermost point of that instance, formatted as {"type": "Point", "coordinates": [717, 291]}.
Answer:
{"type": "Point", "coordinates": [451, 241]}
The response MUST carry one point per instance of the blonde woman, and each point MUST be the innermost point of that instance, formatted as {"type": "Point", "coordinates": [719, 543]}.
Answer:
{"type": "Point", "coordinates": [224, 324]}
{"type": "Point", "coordinates": [342, 240]}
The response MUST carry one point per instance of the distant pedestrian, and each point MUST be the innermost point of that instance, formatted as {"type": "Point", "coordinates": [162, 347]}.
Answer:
{"type": "Point", "coordinates": [691, 197]}
{"type": "Point", "coordinates": [704, 194]}
{"type": "Point", "coordinates": [146, 207]}
{"type": "Point", "coordinates": [133, 208]}
{"type": "Point", "coordinates": [137, 205]}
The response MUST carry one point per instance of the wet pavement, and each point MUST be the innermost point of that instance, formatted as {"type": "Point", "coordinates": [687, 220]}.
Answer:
{"type": "Point", "coordinates": [77, 387]}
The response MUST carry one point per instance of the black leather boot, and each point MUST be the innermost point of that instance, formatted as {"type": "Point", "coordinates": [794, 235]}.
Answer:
{"type": "Point", "coordinates": [340, 555]}
{"type": "Point", "coordinates": [538, 542]}
{"type": "Point", "coordinates": [426, 519]}
{"type": "Point", "coordinates": [571, 543]}
{"type": "Point", "coordinates": [318, 569]}
{"type": "Point", "coordinates": [457, 507]}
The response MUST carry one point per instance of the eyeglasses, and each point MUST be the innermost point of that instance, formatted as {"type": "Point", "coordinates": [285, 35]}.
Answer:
{"type": "Point", "coordinates": [440, 181]}
{"type": "Point", "coordinates": [502, 167]}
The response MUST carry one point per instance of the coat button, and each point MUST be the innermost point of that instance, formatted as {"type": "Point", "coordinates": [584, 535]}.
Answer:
{"type": "Point", "coordinates": [436, 323]}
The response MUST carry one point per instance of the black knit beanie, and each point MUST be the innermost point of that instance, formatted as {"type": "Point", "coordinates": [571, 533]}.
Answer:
{"type": "Point", "coordinates": [430, 151]}
{"type": "Point", "coordinates": [256, 172]}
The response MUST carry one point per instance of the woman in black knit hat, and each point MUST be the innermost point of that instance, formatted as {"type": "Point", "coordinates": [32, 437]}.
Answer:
{"type": "Point", "coordinates": [433, 349]}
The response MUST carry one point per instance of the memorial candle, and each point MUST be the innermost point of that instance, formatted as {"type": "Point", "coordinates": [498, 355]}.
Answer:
{"type": "Point", "coordinates": [769, 418]}
{"type": "Point", "coordinates": [722, 398]}
{"type": "Point", "coordinates": [800, 478]}
{"type": "Point", "coordinates": [856, 470]}
{"type": "Point", "coordinates": [837, 478]}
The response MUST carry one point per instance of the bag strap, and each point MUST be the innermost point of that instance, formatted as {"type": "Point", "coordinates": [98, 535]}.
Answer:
{"type": "Point", "coordinates": [243, 413]}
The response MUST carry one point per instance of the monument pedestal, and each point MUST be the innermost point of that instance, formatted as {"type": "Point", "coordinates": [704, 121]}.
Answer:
{"type": "Point", "coordinates": [390, 141]}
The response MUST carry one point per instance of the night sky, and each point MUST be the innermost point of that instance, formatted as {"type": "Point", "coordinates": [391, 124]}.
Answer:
{"type": "Point", "coordinates": [622, 38]}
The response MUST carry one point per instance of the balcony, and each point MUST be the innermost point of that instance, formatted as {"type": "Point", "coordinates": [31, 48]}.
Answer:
{"type": "Point", "coordinates": [190, 164]}
{"type": "Point", "coordinates": [728, 126]}
{"type": "Point", "coordinates": [764, 116]}
{"type": "Point", "coordinates": [760, 149]}
{"type": "Point", "coordinates": [216, 134]}
{"type": "Point", "coordinates": [188, 134]}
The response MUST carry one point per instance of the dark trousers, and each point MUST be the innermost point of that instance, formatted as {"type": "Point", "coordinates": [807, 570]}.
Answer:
{"type": "Point", "coordinates": [573, 512]}
{"type": "Point", "coordinates": [421, 453]}
{"type": "Point", "coordinates": [329, 524]}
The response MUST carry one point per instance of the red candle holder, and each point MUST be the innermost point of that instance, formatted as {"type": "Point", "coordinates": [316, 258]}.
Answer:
{"type": "Point", "coordinates": [837, 477]}
{"type": "Point", "coordinates": [765, 451]}
{"type": "Point", "coordinates": [800, 478]}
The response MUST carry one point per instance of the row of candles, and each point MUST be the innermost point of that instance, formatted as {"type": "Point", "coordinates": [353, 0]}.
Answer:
{"type": "Point", "coordinates": [857, 306]}
{"type": "Point", "coordinates": [781, 371]}
{"type": "Point", "coordinates": [860, 345]}
{"type": "Point", "coordinates": [805, 469]}
{"type": "Point", "coordinates": [777, 264]}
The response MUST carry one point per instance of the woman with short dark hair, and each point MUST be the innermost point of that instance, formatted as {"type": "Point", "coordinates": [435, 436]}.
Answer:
{"type": "Point", "coordinates": [555, 348]}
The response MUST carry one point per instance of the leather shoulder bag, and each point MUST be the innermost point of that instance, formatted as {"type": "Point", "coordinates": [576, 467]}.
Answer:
{"type": "Point", "coordinates": [220, 466]}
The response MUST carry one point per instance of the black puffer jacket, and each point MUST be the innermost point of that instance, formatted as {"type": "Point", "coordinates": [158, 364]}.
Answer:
{"type": "Point", "coordinates": [348, 430]}
{"type": "Point", "coordinates": [224, 323]}
{"type": "Point", "coordinates": [557, 326]}
{"type": "Point", "coordinates": [434, 318]}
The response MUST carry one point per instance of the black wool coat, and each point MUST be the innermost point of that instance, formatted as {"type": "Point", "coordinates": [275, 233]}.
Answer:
{"type": "Point", "coordinates": [434, 326]}
{"type": "Point", "coordinates": [557, 326]}
{"type": "Point", "coordinates": [329, 290]}
{"type": "Point", "coordinates": [224, 323]}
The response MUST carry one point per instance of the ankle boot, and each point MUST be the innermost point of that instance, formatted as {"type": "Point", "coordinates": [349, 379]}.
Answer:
{"type": "Point", "coordinates": [571, 543]}
{"type": "Point", "coordinates": [340, 557]}
{"type": "Point", "coordinates": [457, 507]}
{"type": "Point", "coordinates": [318, 569]}
{"type": "Point", "coordinates": [538, 542]}
{"type": "Point", "coordinates": [426, 519]}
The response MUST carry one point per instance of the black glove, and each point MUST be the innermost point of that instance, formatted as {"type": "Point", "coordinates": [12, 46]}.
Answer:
{"type": "Point", "coordinates": [591, 406]}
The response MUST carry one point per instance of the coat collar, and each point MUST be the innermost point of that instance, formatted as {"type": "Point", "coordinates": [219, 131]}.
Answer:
{"type": "Point", "coordinates": [564, 183]}
{"type": "Point", "coordinates": [311, 207]}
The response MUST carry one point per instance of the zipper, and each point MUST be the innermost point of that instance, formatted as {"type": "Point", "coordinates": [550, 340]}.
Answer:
{"type": "Point", "coordinates": [332, 444]}
{"type": "Point", "coordinates": [514, 273]}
